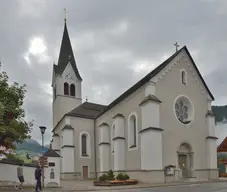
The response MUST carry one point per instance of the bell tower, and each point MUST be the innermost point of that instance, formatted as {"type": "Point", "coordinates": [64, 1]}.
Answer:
{"type": "Point", "coordinates": [66, 81]}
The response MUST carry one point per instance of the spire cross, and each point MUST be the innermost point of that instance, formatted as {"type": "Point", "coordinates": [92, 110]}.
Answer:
{"type": "Point", "coordinates": [65, 14]}
{"type": "Point", "coordinates": [176, 45]}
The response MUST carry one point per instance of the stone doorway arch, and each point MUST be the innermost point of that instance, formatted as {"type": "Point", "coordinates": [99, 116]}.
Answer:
{"type": "Point", "coordinates": [185, 159]}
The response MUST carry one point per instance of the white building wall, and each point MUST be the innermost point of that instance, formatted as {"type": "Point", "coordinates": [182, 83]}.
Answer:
{"type": "Point", "coordinates": [67, 137]}
{"type": "Point", "coordinates": [104, 154]}
{"type": "Point", "coordinates": [68, 160]}
{"type": "Point", "coordinates": [119, 154]}
{"type": "Point", "coordinates": [151, 150]}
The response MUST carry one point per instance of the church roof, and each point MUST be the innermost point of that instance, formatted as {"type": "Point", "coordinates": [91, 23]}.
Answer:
{"type": "Point", "coordinates": [145, 79]}
{"type": "Point", "coordinates": [87, 110]}
{"type": "Point", "coordinates": [51, 153]}
{"type": "Point", "coordinates": [223, 146]}
{"type": "Point", "coordinates": [66, 55]}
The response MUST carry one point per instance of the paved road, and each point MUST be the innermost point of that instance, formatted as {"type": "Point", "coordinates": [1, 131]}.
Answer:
{"type": "Point", "coordinates": [209, 187]}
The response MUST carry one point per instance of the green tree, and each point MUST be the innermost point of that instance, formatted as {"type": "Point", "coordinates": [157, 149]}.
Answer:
{"type": "Point", "coordinates": [13, 126]}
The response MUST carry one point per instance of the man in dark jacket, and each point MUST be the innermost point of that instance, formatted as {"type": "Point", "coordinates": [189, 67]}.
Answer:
{"type": "Point", "coordinates": [38, 175]}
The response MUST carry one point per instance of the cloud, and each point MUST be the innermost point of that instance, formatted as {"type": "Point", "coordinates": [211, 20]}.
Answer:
{"type": "Point", "coordinates": [115, 44]}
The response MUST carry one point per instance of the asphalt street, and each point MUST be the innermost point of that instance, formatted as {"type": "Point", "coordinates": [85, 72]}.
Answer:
{"type": "Point", "coordinates": [208, 187]}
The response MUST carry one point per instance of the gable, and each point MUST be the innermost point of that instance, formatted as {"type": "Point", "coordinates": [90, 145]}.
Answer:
{"type": "Point", "coordinates": [157, 74]}
{"type": "Point", "coordinates": [185, 58]}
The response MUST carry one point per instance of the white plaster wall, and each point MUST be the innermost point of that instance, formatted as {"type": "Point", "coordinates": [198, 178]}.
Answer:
{"type": "Point", "coordinates": [150, 89]}
{"type": "Point", "coordinates": [195, 133]}
{"type": "Point", "coordinates": [8, 173]}
{"type": "Point", "coordinates": [150, 115]}
{"type": "Point", "coordinates": [56, 143]}
{"type": "Point", "coordinates": [56, 168]}
{"type": "Point", "coordinates": [151, 150]}
{"type": "Point", "coordinates": [119, 154]}
{"type": "Point", "coordinates": [119, 127]}
{"type": "Point", "coordinates": [126, 107]}
{"type": "Point", "coordinates": [104, 134]}
{"type": "Point", "coordinates": [80, 126]}
{"type": "Point", "coordinates": [104, 157]}
{"type": "Point", "coordinates": [68, 161]}
{"type": "Point", "coordinates": [211, 125]}
{"type": "Point", "coordinates": [212, 154]}
{"type": "Point", "coordinates": [68, 137]}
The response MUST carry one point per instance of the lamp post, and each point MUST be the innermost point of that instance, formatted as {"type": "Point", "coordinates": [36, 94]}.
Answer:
{"type": "Point", "coordinates": [42, 129]}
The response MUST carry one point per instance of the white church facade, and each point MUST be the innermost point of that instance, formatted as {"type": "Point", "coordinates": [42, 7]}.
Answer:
{"type": "Point", "coordinates": [164, 119]}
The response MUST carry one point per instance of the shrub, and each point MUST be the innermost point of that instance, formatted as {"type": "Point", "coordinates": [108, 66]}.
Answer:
{"type": "Point", "coordinates": [120, 176]}
{"type": "Point", "coordinates": [126, 177]}
{"type": "Point", "coordinates": [103, 177]}
{"type": "Point", "coordinates": [110, 175]}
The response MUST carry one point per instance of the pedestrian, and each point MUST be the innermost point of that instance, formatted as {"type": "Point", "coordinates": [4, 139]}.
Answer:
{"type": "Point", "coordinates": [20, 176]}
{"type": "Point", "coordinates": [38, 175]}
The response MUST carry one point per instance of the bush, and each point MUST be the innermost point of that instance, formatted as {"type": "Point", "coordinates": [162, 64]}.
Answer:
{"type": "Point", "coordinates": [110, 175]}
{"type": "Point", "coordinates": [121, 176]}
{"type": "Point", "coordinates": [103, 177]}
{"type": "Point", "coordinates": [126, 177]}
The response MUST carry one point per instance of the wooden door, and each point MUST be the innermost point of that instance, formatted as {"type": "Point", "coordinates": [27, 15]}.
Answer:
{"type": "Point", "coordinates": [183, 164]}
{"type": "Point", "coordinates": [85, 172]}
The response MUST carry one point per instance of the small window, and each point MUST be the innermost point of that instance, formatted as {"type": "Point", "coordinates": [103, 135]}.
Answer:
{"type": "Point", "coordinates": [72, 90]}
{"type": "Point", "coordinates": [52, 175]}
{"type": "Point", "coordinates": [66, 89]}
{"type": "Point", "coordinates": [183, 77]}
{"type": "Point", "coordinates": [51, 164]}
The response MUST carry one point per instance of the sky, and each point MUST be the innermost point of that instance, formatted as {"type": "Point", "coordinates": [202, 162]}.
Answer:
{"type": "Point", "coordinates": [115, 44]}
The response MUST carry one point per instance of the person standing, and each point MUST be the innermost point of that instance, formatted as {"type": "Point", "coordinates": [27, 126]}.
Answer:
{"type": "Point", "coordinates": [38, 175]}
{"type": "Point", "coordinates": [20, 176]}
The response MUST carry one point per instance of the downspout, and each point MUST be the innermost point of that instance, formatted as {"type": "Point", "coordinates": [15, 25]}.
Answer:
{"type": "Point", "coordinates": [95, 149]}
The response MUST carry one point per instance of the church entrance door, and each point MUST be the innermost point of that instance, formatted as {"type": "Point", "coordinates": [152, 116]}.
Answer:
{"type": "Point", "coordinates": [85, 172]}
{"type": "Point", "coordinates": [185, 160]}
{"type": "Point", "coordinates": [183, 164]}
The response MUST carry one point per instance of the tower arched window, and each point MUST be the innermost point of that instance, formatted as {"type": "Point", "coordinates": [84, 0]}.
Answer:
{"type": "Point", "coordinates": [72, 90]}
{"type": "Point", "coordinates": [66, 88]}
{"type": "Point", "coordinates": [183, 77]}
{"type": "Point", "coordinates": [84, 145]}
{"type": "Point", "coordinates": [132, 132]}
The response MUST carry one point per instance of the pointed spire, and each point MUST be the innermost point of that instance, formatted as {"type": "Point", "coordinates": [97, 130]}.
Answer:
{"type": "Point", "coordinates": [66, 54]}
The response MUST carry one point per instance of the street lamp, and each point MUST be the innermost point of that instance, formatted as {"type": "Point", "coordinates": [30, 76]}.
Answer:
{"type": "Point", "coordinates": [42, 129]}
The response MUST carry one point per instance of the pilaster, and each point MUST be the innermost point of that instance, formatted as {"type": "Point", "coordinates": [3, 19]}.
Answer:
{"type": "Point", "coordinates": [104, 147]}
{"type": "Point", "coordinates": [68, 150]}
{"type": "Point", "coordinates": [151, 133]}
{"type": "Point", "coordinates": [56, 144]}
{"type": "Point", "coordinates": [119, 142]}
{"type": "Point", "coordinates": [211, 139]}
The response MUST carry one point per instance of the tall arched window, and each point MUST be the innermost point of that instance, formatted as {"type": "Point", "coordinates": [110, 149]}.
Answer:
{"type": "Point", "coordinates": [84, 145]}
{"type": "Point", "coordinates": [183, 77]}
{"type": "Point", "coordinates": [72, 90]}
{"type": "Point", "coordinates": [132, 132]}
{"type": "Point", "coordinates": [112, 137]}
{"type": "Point", "coordinates": [66, 88]}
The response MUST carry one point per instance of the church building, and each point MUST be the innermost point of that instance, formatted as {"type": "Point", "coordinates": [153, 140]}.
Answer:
{"type": "Point", "coordinates": [165, 119]}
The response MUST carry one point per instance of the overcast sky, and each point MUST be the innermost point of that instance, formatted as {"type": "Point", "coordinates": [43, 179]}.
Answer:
{"type": "Point", "coordinates": [115, 44]}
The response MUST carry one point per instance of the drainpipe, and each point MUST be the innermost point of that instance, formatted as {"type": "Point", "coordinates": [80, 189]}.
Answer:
{"type": "Point", "coordinates": [95, 149]}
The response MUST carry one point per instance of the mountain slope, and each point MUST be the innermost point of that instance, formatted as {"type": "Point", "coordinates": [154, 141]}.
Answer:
{"type": "Point", "coordinates": [29, 146]}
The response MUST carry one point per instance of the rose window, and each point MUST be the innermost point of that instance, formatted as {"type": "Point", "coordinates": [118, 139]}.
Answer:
{"type": "Point", "coordinates": [183, 110]}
